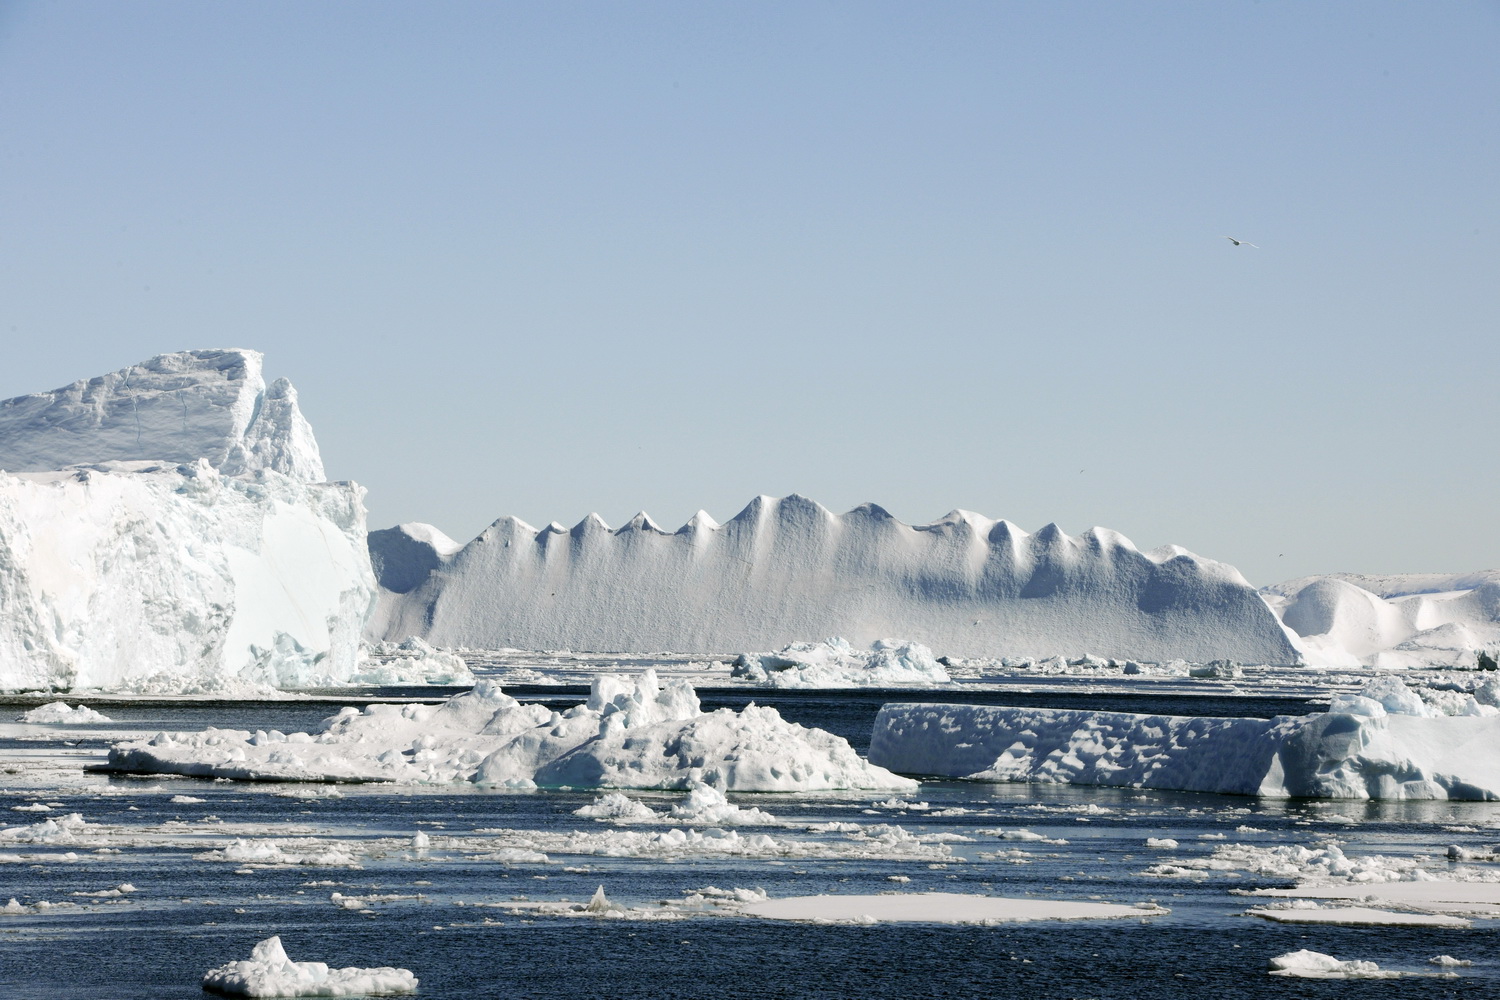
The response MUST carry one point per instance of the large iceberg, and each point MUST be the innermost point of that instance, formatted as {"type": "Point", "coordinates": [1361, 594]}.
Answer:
{"type": "Point", "coordinates": [785, 570]}
{"type": "Point", "coordinates": [1383, 744]}
{"type": "Point", "coordinates": [195, 556]}
{"type": "Point", "coordinates": [1415, 620]}
{"type": "Point", "coordinates": [631, 733]}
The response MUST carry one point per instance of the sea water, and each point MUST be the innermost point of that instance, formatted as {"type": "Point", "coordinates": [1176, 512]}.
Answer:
{"type": "Point", "coordinates": [465, 925]}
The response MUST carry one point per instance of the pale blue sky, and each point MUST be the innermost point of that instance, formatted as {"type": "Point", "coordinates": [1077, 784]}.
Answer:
{"type": "Point", "coordinates": [546, 259]}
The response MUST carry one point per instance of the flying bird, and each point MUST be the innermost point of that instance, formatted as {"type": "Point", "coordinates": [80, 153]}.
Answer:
{"type": "Point", "coordinates": [1240, 243]}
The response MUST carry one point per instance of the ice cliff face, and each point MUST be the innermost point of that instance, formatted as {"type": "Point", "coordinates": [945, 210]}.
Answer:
{"type": "Point", "coordinates": [169, 538]}
{"type": "Point", "coordinates": [213, 405]}
{"type": "Point", "coordinates": [786, 570]}
{"type": "Point", "coordinates": [1415, 620]}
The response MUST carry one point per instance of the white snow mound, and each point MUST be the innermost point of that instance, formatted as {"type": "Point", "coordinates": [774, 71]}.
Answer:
{"type": "Point", "coordinates": [1360, 750]}
{"type": "Point", "coordinates": [174, 408]}
{"type": "Point", "coordinates": [833, 663]}
{"type": "Point", "coordinates": [60, 713]}
{"type": "Point", "coordinates": [631, 733]}
{"type": "Point", "coordinates": [270, 973]}
{"type": "Point", "coordinates": [786, 569]}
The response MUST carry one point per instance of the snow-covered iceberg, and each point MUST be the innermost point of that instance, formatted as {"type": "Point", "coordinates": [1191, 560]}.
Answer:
{"type": "Point", "coordinates": [833, 663]}
{"type": "Point", "coordinates": [192, 552]}
{"type": "Point", "coordinates": [1414, 620]}
{"type": "Point", "coordinates": [1371, 746]}
{"type": "Point", "coordinates": [631, 733]}
{"type": "Point", "coordinates": [270, 973]}
{"type": "Point", "coordinates": [784, 570]}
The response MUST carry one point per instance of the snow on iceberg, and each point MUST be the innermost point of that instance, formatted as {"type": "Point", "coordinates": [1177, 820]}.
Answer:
{"type": "Point", "coordinates": [175, 408]}
{"type": "Point", "coordinates": [1418, 620]}
{"type": "Point", "coordinates": [61, 713]}
{"type": "Point", "coordinates": [1340, 754]}
{"type": "Point", "coordinates": [782, 570]}
{"type": "Point", "coordinates": [833, 663]}
{"type": "Point", "coordinates": [270, 973]}
{"type": "Point", "coordinates": [163, 529]}
{"type": "Point", "coordinates": [629, 734]}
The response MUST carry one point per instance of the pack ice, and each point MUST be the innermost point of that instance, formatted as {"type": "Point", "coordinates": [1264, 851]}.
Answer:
{"type": "Point", "coordinates": [1383, 743]}
{"type": "Point", "coordinates": [631, 733]}
{"type": "Point", "coordinates": [786, 570]}
{"type": "Point", "coordinates": [162, 529]}
{"type": "Point", "coordinates": [1411, 620]}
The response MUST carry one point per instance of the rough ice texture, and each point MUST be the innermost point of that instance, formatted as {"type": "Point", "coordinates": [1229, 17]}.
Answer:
{"type": "Point", "coordinates": [1418, 620]}
{"type": "Point", "coordinates": [833, 663]}
{"type": "Point", "coordinates": [173, 408]}
{"type": "Point", "coordinates": [1338, 755]}
{"type": "Point", "coordinates": [784, 570]}
{"type": "Point", "coordinates": [411, 662]}
{"type": "Point", "coordinates": [152, 577]}
{"type": "Point", "coordinates": [270, 973]}
{"type": "Point", "coordinates": [61, 713]}
{"type": "Point", "coordinates": [631, 733]}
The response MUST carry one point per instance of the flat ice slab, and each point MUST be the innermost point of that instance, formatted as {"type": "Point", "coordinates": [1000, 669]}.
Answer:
{"type": "Point", "coordinates": [1359, 916]}
{"type": "Point", "coordinates": [938, 908]}
{"type": "Point", "coordinates": [1338, 755]}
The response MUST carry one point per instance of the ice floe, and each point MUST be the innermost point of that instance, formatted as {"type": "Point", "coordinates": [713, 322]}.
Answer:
{"type": "Point", "coordinates": [270, 973]}
{"type": "Point", "coordinates": [1382, 744]}
{"type": "Point", "coordinates": [1307, 964]}
{"type": "Point", "coordinates": [833, 663]}
{"type": "Point", "coordinates": [61, 713]}
{"type": "Point", "coordinates": [631, 733]}
{"type": "Point", "coordinates": [939, 908]}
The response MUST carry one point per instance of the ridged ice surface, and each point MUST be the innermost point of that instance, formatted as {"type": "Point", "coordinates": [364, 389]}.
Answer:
{"type": "Point", "coordinates": [789, 570]}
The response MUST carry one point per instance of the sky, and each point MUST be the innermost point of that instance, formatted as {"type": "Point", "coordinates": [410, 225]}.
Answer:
{"type": "Point", "coordinates": [548, 259]}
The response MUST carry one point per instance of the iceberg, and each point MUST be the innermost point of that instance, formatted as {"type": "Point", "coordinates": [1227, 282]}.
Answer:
{"type": "Point", "coordinates": [1393, 622]}
{"type": "Point", "coordinates": [783, 570]}
{"type": "Point", "coordinates": [1352, 752]}
{"type": "Point", "coordinates": [163, 530]}
{"type": "Point", "coordinates": [270, 973]}
{"type": "Point", "coordinates": [631, 733]}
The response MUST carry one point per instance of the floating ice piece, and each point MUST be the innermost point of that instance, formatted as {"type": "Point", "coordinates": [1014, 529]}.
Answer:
{"type": "Point", "coordinates": [1307, 964]}
{"type": "Point", "coordinates": [270, 973]}
{"type": "Point", "coordinates": [833, 663]}
{"type": "Point", "coordinates": [1329, 755]}
{"type": "Point", "coordinates": [59, 713]}
{"type": "Point", "coordinates": [411, 662]}
{"type": "Point", "coordinates": [631, 733]}
{"type": "Point", "coordinates": [1357, 916]}
{"type": "Point", "coordinates": [937, 908]}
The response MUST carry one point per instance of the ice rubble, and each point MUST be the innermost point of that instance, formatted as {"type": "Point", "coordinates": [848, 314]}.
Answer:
{"type": "Point", "coordinates": [162, 529]}
{"type": "Point", "coordinates": [629, 734]}
{"type": "Point", "coordinates": [411, 662]}
{"type": "Point", "coordinates": [61, 713]}
{"type": "Point", "coordinates": [1381, 744]}
{"type": "Point", "coordinates": [270, 973]}
{"type": "Point", "coordinates": [783, 570]}
{"type": "Point", "coordinates": [1417, 620]}
{"type": "Point", "coordinates": [833, 663]}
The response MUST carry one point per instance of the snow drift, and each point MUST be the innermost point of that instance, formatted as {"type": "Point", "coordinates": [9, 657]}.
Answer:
{"type": "Point", "coordinates": [787, 570]}
{"type": "Point", "coordinates": [631, 733]}
{"type": "Point", "coordinates": [191, 552]}
{"type": "Point", "coordinates": [1377, 745]}
{"type": "Point", "coordinates": [1417, 620]}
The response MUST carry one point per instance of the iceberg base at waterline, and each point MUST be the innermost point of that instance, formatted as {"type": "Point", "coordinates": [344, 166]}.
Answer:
{"type": "Point", "coordinates": [1364, 748]}
{"type": "Point", "coordinates": [631, 733]}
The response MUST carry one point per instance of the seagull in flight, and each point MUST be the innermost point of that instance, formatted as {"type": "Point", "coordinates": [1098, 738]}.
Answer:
{"type": "Point", "coordinates": [1240, 243]}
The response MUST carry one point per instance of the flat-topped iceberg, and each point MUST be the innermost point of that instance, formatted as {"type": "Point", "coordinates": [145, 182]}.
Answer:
{"type": "Point", "coordinates": [1372, 746]}
{"type": "Point", "coordinates": [833, 663]}
{"type": "Point", "coordinates": [163, 529]}
{"type": "Point", "coordinates": [631, 733]}
{"type": "Point", "coordinates": [783, 570]}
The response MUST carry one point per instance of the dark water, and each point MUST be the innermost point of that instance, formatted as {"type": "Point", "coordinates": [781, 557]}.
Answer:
{"type": "Point", "coordinates": [184, 919]}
